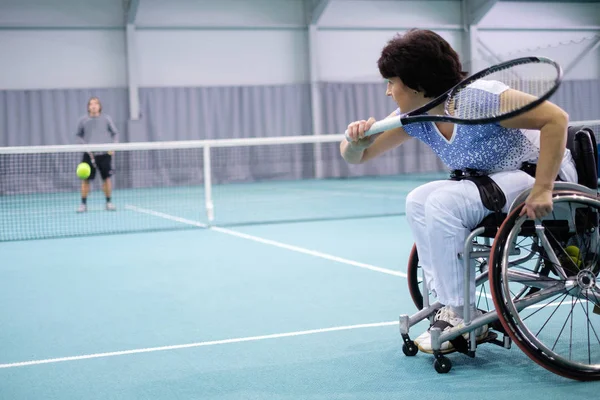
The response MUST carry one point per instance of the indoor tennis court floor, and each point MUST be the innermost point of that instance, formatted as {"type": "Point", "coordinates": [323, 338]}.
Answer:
{"type": "Point", "coordinates": [304, 310]}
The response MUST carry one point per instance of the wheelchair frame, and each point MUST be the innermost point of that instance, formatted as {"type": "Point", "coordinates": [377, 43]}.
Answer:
{"type": "Point", "coordinates": [473, 250]}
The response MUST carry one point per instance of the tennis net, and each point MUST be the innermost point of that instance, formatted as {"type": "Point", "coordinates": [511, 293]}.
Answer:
{"type": "Point", "coordinates": [196, 184]}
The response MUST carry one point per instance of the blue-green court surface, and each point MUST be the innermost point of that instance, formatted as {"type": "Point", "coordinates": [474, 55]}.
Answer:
{"type": "Point", "coordinates": [285, 311]}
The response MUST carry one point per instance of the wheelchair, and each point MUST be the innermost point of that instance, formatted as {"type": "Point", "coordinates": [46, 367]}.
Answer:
{"type": "Point", "coordinates": [537, 282]}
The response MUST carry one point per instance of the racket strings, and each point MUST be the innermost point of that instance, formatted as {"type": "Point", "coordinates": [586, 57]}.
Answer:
{"type": "Point", "coordinates": [479, 99]}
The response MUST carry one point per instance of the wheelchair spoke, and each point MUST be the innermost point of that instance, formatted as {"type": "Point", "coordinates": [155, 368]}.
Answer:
{"type": "Point", "coordinates": [587, 313]}
{"type": "Point", "coordinates": [569, 317]}
{"type": "Point", "coordinates": [552, 257]}
{"type": "Point", "coordinates": [521, 293]}
{"type": "Point", "coordinates": [530, 254]}
{"type": "Point", "coordinates": [595, 300]}
{"type": "Point", "coordinates": [586, 310]}
{"type": "Point", "coordinates": [483, 293]}
{"type": "Point", "coordinates": [539, 296]}
{"type": "Point", "coordinates": [571, 335]}
{"type": "Point", "coordinates": [540, 308]}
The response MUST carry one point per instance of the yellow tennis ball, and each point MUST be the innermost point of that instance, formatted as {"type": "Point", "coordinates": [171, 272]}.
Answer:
{"type": "Point", "coordinates": [573, 252]}
{"type": "Point", "coordinates": [84, 170]}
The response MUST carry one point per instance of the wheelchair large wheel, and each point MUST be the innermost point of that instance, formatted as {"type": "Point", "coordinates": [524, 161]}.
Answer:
{"type": "Point", "coordinates": [415, 281]}
{"type": "Point", "coordinates": [415, 278]}
{"type": "Point", "coordinates": [544, 282]}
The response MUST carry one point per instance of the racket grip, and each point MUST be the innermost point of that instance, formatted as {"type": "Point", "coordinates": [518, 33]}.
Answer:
{"type": "Point", "coordinates": [380, 126]}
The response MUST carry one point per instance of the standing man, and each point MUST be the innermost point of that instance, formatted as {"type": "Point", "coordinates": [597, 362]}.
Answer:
{"type": "Point", "coordinates": [96, 128]}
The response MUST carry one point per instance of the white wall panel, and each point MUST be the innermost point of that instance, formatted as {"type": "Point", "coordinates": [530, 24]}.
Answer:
{"type": "Point", "coordinates": [52, 59]}
{"type": "Point", "coordinates": [207, 58]}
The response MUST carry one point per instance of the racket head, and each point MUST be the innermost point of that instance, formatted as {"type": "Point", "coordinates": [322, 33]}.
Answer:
{"type": "Point", "coordinates": [523, 84]}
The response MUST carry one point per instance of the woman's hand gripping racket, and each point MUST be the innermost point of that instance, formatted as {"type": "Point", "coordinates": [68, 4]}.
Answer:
{"type": "Point", "coordinates": [531, 81]}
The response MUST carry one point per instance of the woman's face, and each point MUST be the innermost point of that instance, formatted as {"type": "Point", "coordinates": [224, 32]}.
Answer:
{"type": "Point", "coordinates": [405, 97]}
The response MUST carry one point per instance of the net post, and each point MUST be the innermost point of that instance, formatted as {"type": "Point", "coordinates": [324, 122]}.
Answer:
{"type": "Point", "coordinates": [315, 99]}
{"type": "Point", "coordinates": [208, 202]}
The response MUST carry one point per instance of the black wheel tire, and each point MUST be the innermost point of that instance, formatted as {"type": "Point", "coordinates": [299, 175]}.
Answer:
{"type": "Point", "coordinates": [410, 350]}
{"type": "Point", "coordinates": [442, 365]}
{"type": "Point", "coordinates": [412, 272]}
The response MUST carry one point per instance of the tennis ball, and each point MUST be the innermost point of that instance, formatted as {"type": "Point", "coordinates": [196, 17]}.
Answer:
{"type": "Point", "coordinates": [573, 252]}
{"type": "Point", "coordinates": [84, 170]}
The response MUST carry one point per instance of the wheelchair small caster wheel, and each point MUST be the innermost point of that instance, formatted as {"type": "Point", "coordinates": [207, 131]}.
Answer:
{"type": "Point", "coordinates": [410, 350]}
{"type": "Point", "coordinates": [442, 365]}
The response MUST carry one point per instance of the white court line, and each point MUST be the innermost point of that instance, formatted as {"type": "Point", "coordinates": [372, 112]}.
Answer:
{"type": "Point", "coordinates": [165, 216]}
{"type": "Point", "coordinates": [199, 344]}
{"type": "Point", "coordinates": [267, 241]}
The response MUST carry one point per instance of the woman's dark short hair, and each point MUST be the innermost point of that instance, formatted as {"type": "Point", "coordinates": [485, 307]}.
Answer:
{"type": "Point", "coordinates": [423, 60]}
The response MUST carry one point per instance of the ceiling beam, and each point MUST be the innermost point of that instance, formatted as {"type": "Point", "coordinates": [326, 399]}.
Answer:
{"type": "Point", "coordinates": [477, 9]}
{"type": "Point", "coordinates": [132, 9]}
{"type": "Point", "coordinates": [318, 7]}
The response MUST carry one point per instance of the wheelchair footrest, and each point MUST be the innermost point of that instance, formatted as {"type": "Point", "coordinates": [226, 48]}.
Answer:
{"type": "Point", "coordinates": [497, 326]}
{"type": "Point", "coordinates": [461, 345]}
{"type": "Point", "coordinates": [491, 337]}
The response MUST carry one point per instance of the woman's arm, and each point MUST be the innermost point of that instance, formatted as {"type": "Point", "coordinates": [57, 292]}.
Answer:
{"type": "Point", "coordinates": [552, 122]}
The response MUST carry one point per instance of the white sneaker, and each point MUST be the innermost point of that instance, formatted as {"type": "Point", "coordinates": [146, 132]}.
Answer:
{"type": "Point", "coordinates": [446, 319]}
{"type": "Point", "coordinates": [110, 206]}
{"type": "Point", "coordinates": [82, 208]}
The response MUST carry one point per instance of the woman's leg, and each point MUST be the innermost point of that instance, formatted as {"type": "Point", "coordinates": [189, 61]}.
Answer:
{"type": "Point", "coordinates": [452, 212]}
{"type": "Point", "coordinates": [415, 215]}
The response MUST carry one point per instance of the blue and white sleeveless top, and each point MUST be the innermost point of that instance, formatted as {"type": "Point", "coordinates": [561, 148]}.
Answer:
{"type": "Point", "coordinates": [489, 148]}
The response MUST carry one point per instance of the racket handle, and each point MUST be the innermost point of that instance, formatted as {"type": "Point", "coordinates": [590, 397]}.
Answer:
{"type": "Point", "coordinates": [380, 126]}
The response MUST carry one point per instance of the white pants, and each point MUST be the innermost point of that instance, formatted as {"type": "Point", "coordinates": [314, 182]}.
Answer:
{"type": "Point", "coordinates": [441, 214]}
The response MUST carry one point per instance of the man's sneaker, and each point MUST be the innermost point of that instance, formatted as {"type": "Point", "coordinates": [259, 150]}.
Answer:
{"type": "Point", "coordinates": [446, 319]}
{"type": "Point", "coordinates": [110, 207]}
{"type": "Point", "coordinates": [82, 208]}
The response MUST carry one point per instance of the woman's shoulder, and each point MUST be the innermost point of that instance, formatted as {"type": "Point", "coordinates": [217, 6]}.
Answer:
{"type": "Point", "coordinates": [417, 129]}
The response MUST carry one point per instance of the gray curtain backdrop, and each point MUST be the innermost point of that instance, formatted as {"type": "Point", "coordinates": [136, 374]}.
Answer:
{"type": "Point", "coordinates": [224, 112]}
{"type": "Point", "coordinates": [49, 117]}
{"type": "Point", "coordinates": [345, 102]}
{"type": "Point", "coordinates": [581, 99]}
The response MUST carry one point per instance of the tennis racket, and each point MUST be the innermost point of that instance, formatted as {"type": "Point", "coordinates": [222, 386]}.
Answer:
{"type": "Point", "coordinates": [532, 80]}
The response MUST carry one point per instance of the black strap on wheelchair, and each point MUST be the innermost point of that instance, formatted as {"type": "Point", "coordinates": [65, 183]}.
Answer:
{"type": "Point", "coordinates": [492, 196]}
{"type": "Point", "coordinates": [460, 343]}
{"type": "Point", "coordinates": [530, 169]}
{"type": "Point", "coordinates": [585, 155]}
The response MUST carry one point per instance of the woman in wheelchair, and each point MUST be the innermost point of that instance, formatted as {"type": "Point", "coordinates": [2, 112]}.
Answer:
{"type": "Point", "coordinates": [419, 66]}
